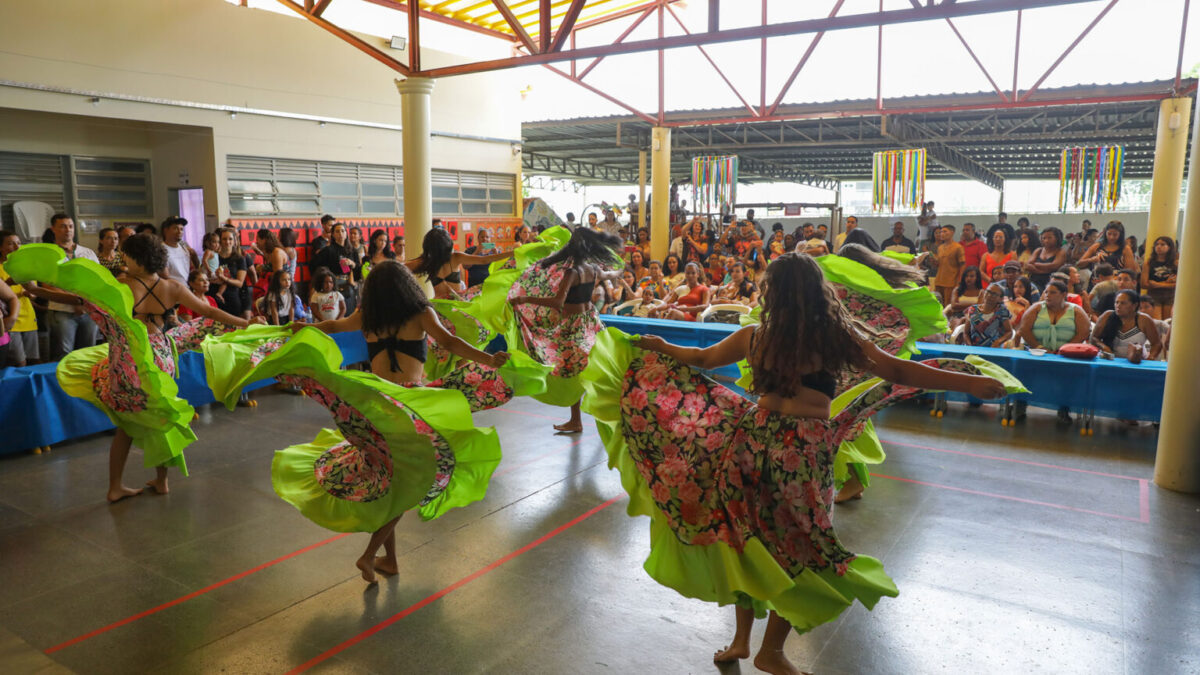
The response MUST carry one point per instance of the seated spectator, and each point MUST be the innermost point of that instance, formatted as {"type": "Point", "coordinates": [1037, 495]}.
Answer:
{"type": "Point", "coordinates": [862, 238]}
{"type": "Point", "coordinates": [1054, 322]}
{"type": "Point", "coordinates": [716, 270]}
{"type": "Point", "coordinates": [1012, 272]}
{"type": "Point", "coordinates": [997, 275]}
{"type": "Point", "coordinates": [739, 290]}
{"type": "Point", "coordinates": [1022, 298]}
{"type": "Point", "coordinates": [278, 306]}
{"type": "Point", "coordinates": [989, 323]}
{"type": "Point", "coordinates": [1147, 305]}
{"type": "Point", "coordinates": [637, 265]}
{"type": "Point", "coordinates": [673, 271]}
{"type": "Point", "coordinates": [689, 300]}
{"type": "Point", "coordinates": [198, 284]}
{"type": "Point", "coordinates": [1158, 276]}
{"type": "Point", "coordinates": [813, 247]}
{"type": "Point", "coordinates": [1076, 292]}
{"type": "Point", "coordinates": [645, 304]}
{"type": "Point", "coordinates": [965, 294]}
{"type": "Point", "coordinates": [623, 291]}
{"type": "Point", "coordinates": [655, 281]}
{"type": "Point", "coordinates": [778, 243]}
{"type": "Point", "coordinates": [899, 243]}
{"type": "Point", "coordinates": [1123, 280]}
{"type": "Point", "coordinates": [1126, 332]}
{"type": "Point", "coordinates": [789, 243]}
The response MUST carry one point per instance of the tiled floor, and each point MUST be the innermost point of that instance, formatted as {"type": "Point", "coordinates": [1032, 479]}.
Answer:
{"type": "Point", "coordinates": [1016, 550]}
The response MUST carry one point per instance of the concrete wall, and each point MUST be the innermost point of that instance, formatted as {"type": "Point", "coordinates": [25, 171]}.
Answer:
{"type": "Point", "coordinates": [1134, 221]}
{"type": "Point", "coordinates": [212, 52]}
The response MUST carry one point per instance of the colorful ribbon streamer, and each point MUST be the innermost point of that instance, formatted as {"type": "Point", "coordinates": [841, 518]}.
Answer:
{"type": "Point", "coordinates": [714, 183]}
{"type": "Point", "coordinates": [898, 179]}
{"type": "Point", "coordinates": [1090, 178]}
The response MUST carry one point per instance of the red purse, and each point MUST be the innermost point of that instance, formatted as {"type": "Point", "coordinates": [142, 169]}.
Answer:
{"type": "Point", "coordinates": [1079, 350]}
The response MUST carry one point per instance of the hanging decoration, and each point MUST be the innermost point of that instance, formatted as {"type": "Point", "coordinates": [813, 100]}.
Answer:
{"type": "Point", "coordinates": [1090, 178]}
{"type": "Point", "coordinates": [898, 179]}
{"type": "Point", "coordinates": [714, 183]}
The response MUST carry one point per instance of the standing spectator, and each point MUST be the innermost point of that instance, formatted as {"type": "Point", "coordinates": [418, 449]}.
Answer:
{"type": "Point", "coordinates": [275, 259]}
{"type": "Point", "coordinates": [1002, 218]}
{"type": "Point", "coordinates": [231, 275]}
{"type": "Point", "coordinates": [326, 302]}
{"type": "Point", "coordinates": [776, 247]}
{"type": "Point", "coordinates": [823, 233]}
{"type": "Point", "coordinates": [950, 260]}
{"type": "Point", "coordinates": [181, 259]}
{"type": "Point", "coordinates": [398, 248]}
{"type": "Point", "coordinates": [1025, 246]}
{"type": "Point", "coordinates": [1047, 259]}
{"type": "Point", "coordinates": [1112, 249]}
{"type": "Point", "coordinates": [988, 324]}
{"type": "Point", "coordinates": [124, 232]}
{"type": "Point", "coordinates": [637, 265]}
{"type": "Point", "coordinates": [1124, 331]}
{"type": "Point", "coordinates": [287, 239]}
{"type": "Point", "coordinates": [643, 241]}
{"type": "Point", "coordinates": [524, 235]}
{"type": "Point", "coordinates": [21, 326]}
{"type": "Point", "coordinates": [1103, 288]}
{"type": "Point", "coordinates": [342, 262]}
{"type": "Point", "coordinates": [278, 306]}
{"type": "Point", "coordinates": [862, 238]}
{"type": "Point", "coordinates": [70, 326]}
{"type": "Point", "coordinates": [851, 225]}
{"type": "Point", "coordinates": [927, 227]}
{"type": "Point", "coordinates": [609, 224]}
{"type": "Point", "coordinates": [209, 260]}
{"type": "Point", "coordinates": [973, 247]}
{"type": "Point", "coordinates": [322, 240]}
{"type": "Point", "coordinates": [697, 244]}
{"type": "Point", "coordinates": [108, 253]}
{"type": "Point", "coordinates": [145, 228]}
{"type": "Point", "coordinates": [1158, 277]}
{"type": "Point", "coordinates": [899, 243]}
{"type": "Point", "coordinates": [999, 253]}
{"type": "Point", "coordinates": [571, 221]}
{"type": "Point", "coordinates": [357, 244]}
{"type": "Point", "coordinates": [1139, 252]}
{"type": "Point", "coordinates": [477, 274]}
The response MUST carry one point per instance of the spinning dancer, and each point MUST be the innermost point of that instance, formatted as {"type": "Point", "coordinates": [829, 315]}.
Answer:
{"type": "Point", "coordinates": [131, 378]}
{"type": "Point", "coordinates": [440, 263]}
{"type": "Point", "coordinates": [560, 329]}
{"type": "Point", "coordinates": [740, 494]}
{"type": "Point", "coordinates": [379, 464]}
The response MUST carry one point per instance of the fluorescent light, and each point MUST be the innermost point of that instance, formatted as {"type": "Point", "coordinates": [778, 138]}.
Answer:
{"type": "Point", "coordinates": [398, 42]}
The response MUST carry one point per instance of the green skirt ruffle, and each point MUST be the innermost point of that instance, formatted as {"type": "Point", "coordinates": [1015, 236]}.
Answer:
{"type": "Point", "coordinates": [160, 422]}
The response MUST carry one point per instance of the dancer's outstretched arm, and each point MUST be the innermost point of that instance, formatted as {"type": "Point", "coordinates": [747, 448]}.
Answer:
{"type": "Point", "coordinates": [342, 325]}
{"type": "Point", "coordinates": [921, 376]}
{"type": "Point", "coordinates": [730, 350]}
{"type": "Point", "coordinates": [456, 345]}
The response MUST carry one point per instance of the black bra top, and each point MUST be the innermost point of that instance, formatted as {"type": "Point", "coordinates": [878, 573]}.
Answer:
{"type": "Point", "coordinates": [580, 293]}
{"type": "Point", "coordinates": [151, 316]}
{"type": "Point", "coordinates": [454, 278]}
{"type": "Point", "coordinates": [413, 348]}
{"type": "Point", "coordinates": [820, 380]}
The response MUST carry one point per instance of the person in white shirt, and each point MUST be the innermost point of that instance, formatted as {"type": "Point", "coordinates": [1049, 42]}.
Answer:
{"type": "Point", "coordinates": [70, 326]}
{"type": "Point", "coordinates": [181, 259]}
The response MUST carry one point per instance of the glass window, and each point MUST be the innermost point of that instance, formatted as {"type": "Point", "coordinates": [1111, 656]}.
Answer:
{"type": "Point", "coordinates": [110, 209]}
{"type": "Point", "coordinates": [445, 207]}
{"type": "Point", "coordinates": [474, 193]}
{"type": "Point", "coordinates": [116, 181]}
{"type": "Point", "coordinates": [504, 195]}
{"type": "Point", "coordinates": [251, 206]}
{"type": "Point", "coordinates": [262, 187]}
{"type": "Point", "coordinates": [111, 195]}
{"type": "Point", "coordinates": [442, 192]}
{"type": "Point", "coordinates": [379, 189]}
{"type": "Point", "coordinates": [291, 187]}
{"type": "Point", "coordinates": [337, 188]}
{"type": "Point", "coordinates": [474, 207]}
{"type": "Point", "coordinates": [500, 209]}
{"type": "Point", "coordinates": [117, 165]}
{"type": "Point", "coordinates": [298, 205]}
{"type": "Point", "coordinates": [335, 206]}
{"type": "Point", "coordinates": [379, 206]}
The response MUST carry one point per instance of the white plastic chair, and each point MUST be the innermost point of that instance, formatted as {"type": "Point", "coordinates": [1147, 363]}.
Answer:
{"type": "Point", "coordinates": [32, 219]}
{"type": "Point", "coordinates": [730, 307]}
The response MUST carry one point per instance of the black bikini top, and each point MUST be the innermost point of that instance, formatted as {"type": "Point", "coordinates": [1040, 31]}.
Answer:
{"type": "Point", "coordinates": [152, 317]}
{"type": "Point", "coordinates": [454, 278]}
{"type": "Point", "coordinates": [820, 380]}
{"type": "Point", "coordinates": [580, 293]}
{"type": "Point", "coordinates": [393, 344]}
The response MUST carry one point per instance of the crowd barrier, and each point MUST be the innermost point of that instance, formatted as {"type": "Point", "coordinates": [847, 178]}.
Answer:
{"type": "Point", "coordinates": [36, 412]}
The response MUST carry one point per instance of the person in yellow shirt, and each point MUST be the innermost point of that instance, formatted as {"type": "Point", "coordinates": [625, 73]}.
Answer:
{"type": "Point", "coordinates": [851, 224]}
{"type": "Point", "coordinates": [22, 346]}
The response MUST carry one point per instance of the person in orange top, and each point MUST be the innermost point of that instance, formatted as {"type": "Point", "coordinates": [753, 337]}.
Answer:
{"type": "Point", "coordinates": [999, 252]}
{"type": "Point", "coordinates": [950, 260]}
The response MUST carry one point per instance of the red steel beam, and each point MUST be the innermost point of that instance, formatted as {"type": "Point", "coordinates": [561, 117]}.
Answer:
{"type": "Point", "coordinates": [620, 38]}
{"type": "Point", "coordinates": [979, 63]}
{"type": "Point", "coordinates": [714, 64]}
{"type": "Point", "coordinates": [607, 18]}
{"type": "Point", "coordinates": [567, 25]}
{"type": "Point", "coordinates": [608, 97]}
{"type": "Point", "coordinates": [803, 60]}
{"type": "Point", "coordinates": [545, 32]}
{"type": "Point", "coordinates": [517, 28]}
{"type": "Point", "coordinates": [1067, 51]}
{"type": "Point", "coordinates": [320, 7]}
{"type": "Point", "coordinates": [890, 17]}
{"type": "Point", "coordinates": [1182, 39]}
{"type": "Point", "coordinates": [414, 36]}
{"type": "Point", "coordinates": [351, 38]}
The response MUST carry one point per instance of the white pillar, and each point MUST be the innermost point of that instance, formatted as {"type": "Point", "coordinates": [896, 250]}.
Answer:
{"type": "Point", "coordinates": [418, 187]}
{"type": "Point", "coordinates": [660, 179]}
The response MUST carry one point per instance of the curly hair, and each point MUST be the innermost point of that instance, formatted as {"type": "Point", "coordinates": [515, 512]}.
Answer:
{"type": "Point", "coordinates": [147, 250]}
{"type": "Point", "coordinates": [804, 328]}
{"type": "Point", "coordinates": [391, 297]}
{"type": "Point", "coordinates": [587, 246]}
{"type": "Point", "coordinates": [436, 250]}
{"type": "Point", "coordinates": [894, 272]}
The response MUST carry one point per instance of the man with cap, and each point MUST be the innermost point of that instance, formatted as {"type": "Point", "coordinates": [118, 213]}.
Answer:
{"type": "Point", "coordinates": [1012, 272]}
{"type": "Point", "coordinates": [181, 259]}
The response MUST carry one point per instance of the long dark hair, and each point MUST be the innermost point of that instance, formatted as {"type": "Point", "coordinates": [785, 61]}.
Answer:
{"type": "Point", "coordinates": [391, 297]}
{"type": "Point", "coordinates": [1109, 334]}
{"type": "Point", "coordinates": [962, 282]}
{"type": "Point", "coordinates": [1119, 227]}
{"type": "Point", "coordinates": [1020, 245]}
{"type": "Point", "coordinates": [804, 326]}
{"type": "Point", "coordinates": [894, 272]}
{"type": "Point", "coordinates": [587, 246]}
{"type": "Point", "coordinates": [436, 251]}
{"type": "Point", "coordinates": [1153, 256]}
{"type": "Point", "coordinates": [387, 245]}
{"type": "Point", "coordinates": [1028, 284]}
{"type": "Point", "coordinates": [275, 288]}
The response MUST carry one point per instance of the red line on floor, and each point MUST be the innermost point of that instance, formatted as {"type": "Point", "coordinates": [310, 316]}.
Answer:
{"type": "Point", "coordinates": [1009, 459]}
{"type": "Point", "coordinates": [1009, 498]}
{"type": "Point", "coordinates": [1144, 499]}
{"type": "Point", "coordinates": [189, 596]}
{"type": "Point", "coordinates": [316, 660]}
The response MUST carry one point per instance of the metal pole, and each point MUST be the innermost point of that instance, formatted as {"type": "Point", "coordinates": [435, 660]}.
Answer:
{"type": "Point", "coordinates": [1177, 462]}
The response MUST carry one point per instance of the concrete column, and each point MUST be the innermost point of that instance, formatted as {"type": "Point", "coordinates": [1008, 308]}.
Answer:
{"type": "Point", "coordinates": [418, 182]}
{"type": "Point", "coordinates": [643, 217]}
{"type": "Point", "coordinates": [1177, 463]}
{"type": "Point", "coordinates": [1170, 151]}
{"type": "Point", "coordinates": [660, 178]}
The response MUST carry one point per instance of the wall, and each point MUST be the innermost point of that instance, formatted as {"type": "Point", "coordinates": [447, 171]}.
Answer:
{"type": "Point", "coordinates": [212, 52]}
{"type": "Point", "coordinates": [880, 227]}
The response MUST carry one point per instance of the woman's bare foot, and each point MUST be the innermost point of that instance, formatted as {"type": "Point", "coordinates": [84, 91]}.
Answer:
{"type": "Point", "coordinates": [386, 565]}
{"type": "Point", "coordinates": [117, 494]}
{"type": "Point", "coordinates": [773, 661]}
{"type": "Point", "coordinates": [732, 653]}
{"type": "Point", "coordinates": [366, 565]}
{"type": "Point", "coordinates": [852, 489]}
{"type": "Point", "coordinates": [159, 485]}
{"type": "Point", "coordinates": [569, 428]}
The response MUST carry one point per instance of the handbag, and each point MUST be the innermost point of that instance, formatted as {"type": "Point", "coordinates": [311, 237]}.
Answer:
{"type": "Point", "coordinates": [1079, 350]}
